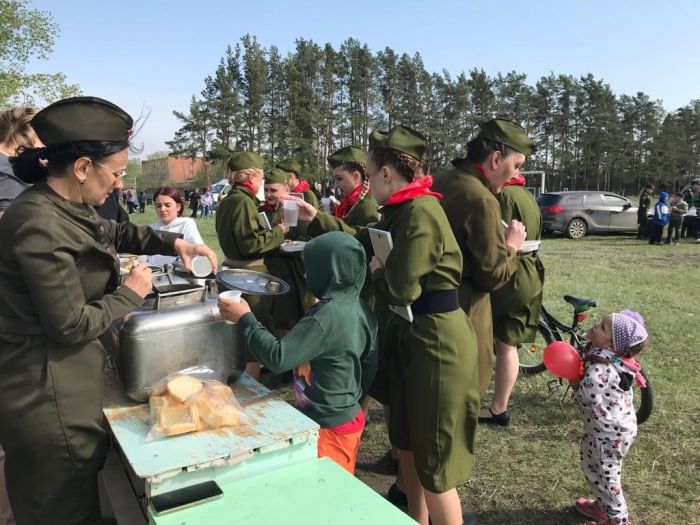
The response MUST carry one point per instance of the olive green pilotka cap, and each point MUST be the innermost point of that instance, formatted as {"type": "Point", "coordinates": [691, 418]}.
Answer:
{"type": "Point", "coordinates": [243, 160]}
{"type": "Point", "coordinates": [347, 155]}
{"type": "Point", "coordinates": [400, 138]}
{"type": "Point", "coordinates": [82, 118]}
{"type": "Point", "coordinates": [508, 133]}
{"type": "Point", "coordinates": [276, 176]}
{"type": "Point", "coordinates": [289, 165]}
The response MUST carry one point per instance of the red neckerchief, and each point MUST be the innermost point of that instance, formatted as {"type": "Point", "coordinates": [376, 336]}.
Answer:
{"type": "Point", "coordinates": [248, 186]}
{"type": "Point", "coordinates": [348, 201]}
{"type": "Point", "coordinates": [302, 187]}
{"type": "Point", "coordinates": [481, 168]}
{"type": "Point", "coordinates": [417, 188]}
{"type": "Point", "coordinates": [269, 208]}
{"type": "Point", "coordinates": [518, 180]}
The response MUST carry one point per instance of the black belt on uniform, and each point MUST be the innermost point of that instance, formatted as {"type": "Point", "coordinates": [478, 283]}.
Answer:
{"type": "Point", "coordinates": [436, 302]}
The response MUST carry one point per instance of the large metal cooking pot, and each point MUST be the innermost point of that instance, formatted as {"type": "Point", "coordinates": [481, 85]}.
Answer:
{"type": "Point", "coordinates": [178, 326]}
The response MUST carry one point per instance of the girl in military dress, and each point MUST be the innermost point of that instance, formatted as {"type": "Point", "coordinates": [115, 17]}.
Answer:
{"type": "Point", "coordinates": [432, 360]}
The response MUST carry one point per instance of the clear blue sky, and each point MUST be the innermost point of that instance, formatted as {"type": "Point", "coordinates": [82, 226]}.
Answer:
{"type": "Point", "coordinates": [155, 54]}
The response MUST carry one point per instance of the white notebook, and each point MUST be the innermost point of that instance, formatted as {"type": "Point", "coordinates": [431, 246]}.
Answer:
{"type": "Point", "coordinates": [265, 221]}
{"type": "Point", "coordinates": [382, 244]}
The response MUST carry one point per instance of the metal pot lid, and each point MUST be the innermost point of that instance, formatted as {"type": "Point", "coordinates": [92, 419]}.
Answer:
{"type": "Point", "coordinates": [250, 282]}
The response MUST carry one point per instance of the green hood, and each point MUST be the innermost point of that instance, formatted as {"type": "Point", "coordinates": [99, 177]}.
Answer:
{"type": "Point", "coordinates": [335, 266]}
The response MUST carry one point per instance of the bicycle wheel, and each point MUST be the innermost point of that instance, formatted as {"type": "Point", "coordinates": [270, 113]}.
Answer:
{"type": "Point", "coordinates": [530, 354]}
{"type": "Point", "coordinates": [644, 402]}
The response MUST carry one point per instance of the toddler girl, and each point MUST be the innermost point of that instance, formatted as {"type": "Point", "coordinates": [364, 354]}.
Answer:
{"type": "Point", "coordinates": [604, 395]}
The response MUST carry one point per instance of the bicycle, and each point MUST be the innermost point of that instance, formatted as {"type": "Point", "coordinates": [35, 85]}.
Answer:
{"type": "Point", "coordinates": [550, 329]}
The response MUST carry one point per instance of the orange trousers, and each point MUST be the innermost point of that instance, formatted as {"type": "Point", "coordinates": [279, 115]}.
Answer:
{"type": "Point", "coordinates": [341, 448]}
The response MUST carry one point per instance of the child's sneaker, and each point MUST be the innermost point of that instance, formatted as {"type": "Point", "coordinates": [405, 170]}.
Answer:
{"type": "Point", "coordinates": [591, 509]}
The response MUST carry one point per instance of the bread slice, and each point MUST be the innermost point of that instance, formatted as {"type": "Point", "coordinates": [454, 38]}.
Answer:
{"type": "Point", "coordinates": [182, 387]}
{"type": "Point", "coordinates": [216, 407]}
{"type": "Point", "coordinates": [178, 419]}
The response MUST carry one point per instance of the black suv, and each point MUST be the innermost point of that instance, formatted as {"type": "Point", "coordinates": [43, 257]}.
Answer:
{"type": "Point", "coordinates": [577, 213]}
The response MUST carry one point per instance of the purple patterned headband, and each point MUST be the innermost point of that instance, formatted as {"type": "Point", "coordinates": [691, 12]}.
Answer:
{"type": "Point", "coordinates": [628, 330]}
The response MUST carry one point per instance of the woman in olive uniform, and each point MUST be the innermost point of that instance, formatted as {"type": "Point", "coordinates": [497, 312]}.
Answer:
{"type": "Point", "coordinates": [489, 252]}
{"type": "Point", "coordinates": [296, 183]}
{"type": "Point", "coordinates": [59, 291]}
{"type": "Point", "coordinates": [242, 232]}
{"type": "Point", "coordinates": [433, 362]}
{"type": "Point", "coordinates": [358, 207]}
{"type": "Point", "coordinates": [515, 306]}
{"type": "Point", "coordinates": [287, 309]}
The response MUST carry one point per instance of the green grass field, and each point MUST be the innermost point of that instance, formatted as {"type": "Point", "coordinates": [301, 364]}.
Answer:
{"type": "Point", "coordinates": [528, 473]}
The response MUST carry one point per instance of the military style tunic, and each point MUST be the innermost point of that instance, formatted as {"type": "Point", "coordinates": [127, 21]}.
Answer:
{"type": "Point", "coordinates": [59, 291]}
{"type": "Point", "coordinates": [475, 217]}
{"type": "Point", "coordinates": [245, 240]}
{"type": "Point", "coordinates": [364, 213]}
{"type": "Point", "coordinates": [432, 362]}
{"type": "Point", "coordinates": [516, 306]}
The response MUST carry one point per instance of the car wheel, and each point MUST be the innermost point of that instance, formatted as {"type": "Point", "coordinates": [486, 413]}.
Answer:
{"type": "Point", "coordinates": [576, 229]}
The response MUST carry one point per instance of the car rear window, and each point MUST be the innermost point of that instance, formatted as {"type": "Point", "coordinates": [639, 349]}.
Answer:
{"type": "Point", "coordinates": [548, 199]}
{"type": "Point", "coordinates": [574, 200]}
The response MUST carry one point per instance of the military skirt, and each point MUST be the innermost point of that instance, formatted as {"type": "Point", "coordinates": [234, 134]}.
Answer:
{"type": "Point", "coordinates": [516, 306]}
{"type": "Point", "coordinates": [434, 396]}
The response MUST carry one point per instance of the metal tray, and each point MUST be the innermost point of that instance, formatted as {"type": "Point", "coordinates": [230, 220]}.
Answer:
{"type": "Point", "coordinates": [250, 282]}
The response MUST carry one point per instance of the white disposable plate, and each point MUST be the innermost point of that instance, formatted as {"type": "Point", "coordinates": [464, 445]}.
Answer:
{"type": "Point", "coordinates": [529, 246]}
{"type": "Point", "coordinates": [292, 246]}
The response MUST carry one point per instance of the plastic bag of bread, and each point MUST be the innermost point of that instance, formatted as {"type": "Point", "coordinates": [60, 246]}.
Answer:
{"type": "Point", "coordinates": [192, 400]}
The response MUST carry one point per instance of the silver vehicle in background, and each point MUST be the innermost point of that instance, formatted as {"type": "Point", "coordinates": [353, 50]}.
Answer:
{"type": "Point", "coordinates": [577, 213]}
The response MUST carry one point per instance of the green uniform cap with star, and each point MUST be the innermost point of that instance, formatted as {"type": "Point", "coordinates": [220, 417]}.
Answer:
{"type": "Point", "coordinates": [400, 138]}
{"type": "Point", "coordinates": [347, 155]}
{"type": "Point", "coordinates": [276, 176]}
{"type": "Point", "coordinates": [244, 160]}
{"type": "Point", "coordinates": [508, 133]}
{"type": "Point", "coordinates": [82, 118]}
{"type": "Point", "coordinates": [289, 165]}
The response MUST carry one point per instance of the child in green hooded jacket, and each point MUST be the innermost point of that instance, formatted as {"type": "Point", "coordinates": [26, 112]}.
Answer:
{"type": "Point", "coordinates": [332, 349]}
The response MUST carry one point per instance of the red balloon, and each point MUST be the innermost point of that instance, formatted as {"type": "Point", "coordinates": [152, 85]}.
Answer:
{"type": "Point", "coordinates": [562, 360]}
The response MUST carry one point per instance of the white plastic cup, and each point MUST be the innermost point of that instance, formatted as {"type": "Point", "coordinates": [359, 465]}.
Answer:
{"type": "Point", "coordinates": [234, 295]}
{"type": "Point", "coordinates": [201, 266]}
{"type": "Point", "coordinates": [291, 213]}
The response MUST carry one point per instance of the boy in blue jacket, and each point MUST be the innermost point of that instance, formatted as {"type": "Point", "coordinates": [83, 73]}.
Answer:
{"type": "Point", "coordinates": [661, 218]}
{"type": "Point", "coordinates": [332, 349]}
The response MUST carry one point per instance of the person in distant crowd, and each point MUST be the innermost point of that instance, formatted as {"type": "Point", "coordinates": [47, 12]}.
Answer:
{"type": "Point", "coordinates": [194, 203]}
{"type": "Point", "coordinates": [695, 188]}
{"type": "Point", "coordinates": [131, 199]}
{"type": "Point", "coordinates": [515, 306]}
{"type": "Point", "coordinates": [296, 183]}
{"type": "Point", "coordinates": [206, 201]}
{"type": "Point", "coordinates": [15, 132]}
{"type": "Point", "coordinates": [643, 211]}
{"type": "Point", "coordinates": [679, 209]}
{"type": "Point", "coordinates": [169, 208]}
{"type": "Point", "coordinates": [661, 218]}
{"type": "Point", "coordinates": [243, 234]}
{"type": "Point", "coordinates": [494, 157]}
{"type": "Point", "coordinates": [358, 207]}
{"type": "Point", "coordinates": [142, 201]}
